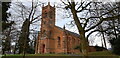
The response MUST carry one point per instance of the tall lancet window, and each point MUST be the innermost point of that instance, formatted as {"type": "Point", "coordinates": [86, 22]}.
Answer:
{"type": "Point", "coordinates": [59, 41]}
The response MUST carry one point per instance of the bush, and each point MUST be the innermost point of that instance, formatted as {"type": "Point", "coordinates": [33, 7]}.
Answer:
{"type": "Point", "coordinates": [116, 45]}
{"type": "Point", "coordinates": [31, 51]}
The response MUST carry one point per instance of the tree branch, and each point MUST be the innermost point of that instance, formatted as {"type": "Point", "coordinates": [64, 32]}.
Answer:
{"type": "Point", "coordinates": [33, 15]}
{"type": "Point", "coordinates": [103, 19]}
{"type": "Point", "coordinates": [35, 18]}
{"type": "Point", "coordinates": [31, 11]}
{"type": "Point", "coordinates": [99, 31]}
{"type": "Point", "coordinates": [80, 5]}
{"type": "Point", "coordinates": [84, 7]}
{"type": "Point", "coordinates": [109, 11]}
{"type": "Point", "coordinates": [64, 2]}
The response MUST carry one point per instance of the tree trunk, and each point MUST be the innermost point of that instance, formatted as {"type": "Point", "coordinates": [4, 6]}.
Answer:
{"type": "Point", "coordinates": [24, 37]}
{"type": "Point", "coordinates": [104, 40]}
{"type": "Point", "coordinates": [84, 42]}
{"type": "Point", "coordinates": [113, 22]}
{"type": "Point", "coordinates": [103, 35]}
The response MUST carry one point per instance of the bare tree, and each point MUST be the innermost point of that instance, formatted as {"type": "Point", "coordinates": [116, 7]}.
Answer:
{"type": "Point", "coordinates": [28, 14]}
{"type": "Point", "coordinates": [90, 21]}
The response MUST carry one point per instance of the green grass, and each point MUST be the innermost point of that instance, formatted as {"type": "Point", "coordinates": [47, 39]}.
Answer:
{"type": "Point", "coordinates": [37, 55]}
{"type": "Point", "coordinates": [103, 54]}
{"type": "Point", "coordinates": [13, 55]}
{"type": "Point", "coordinates": [31, 55]}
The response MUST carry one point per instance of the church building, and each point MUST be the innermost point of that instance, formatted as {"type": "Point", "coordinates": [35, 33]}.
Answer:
{"type": "Point", "coordinates": [54, 39]}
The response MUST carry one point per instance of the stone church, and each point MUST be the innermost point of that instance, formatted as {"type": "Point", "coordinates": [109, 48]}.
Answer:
{"type": "Point", "coordinates": [54, 39]}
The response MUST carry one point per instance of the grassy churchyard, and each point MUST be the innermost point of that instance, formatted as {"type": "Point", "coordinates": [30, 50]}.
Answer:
{"type": "Point", "coordinates": [101, 54]}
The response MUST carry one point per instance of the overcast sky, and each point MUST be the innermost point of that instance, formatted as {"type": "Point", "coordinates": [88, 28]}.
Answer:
{"type": "Point", "coordinates": [60, 21]}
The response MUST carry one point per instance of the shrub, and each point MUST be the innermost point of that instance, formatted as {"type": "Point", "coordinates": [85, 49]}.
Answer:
{"type": "Point", "coordinates": [116, 45]}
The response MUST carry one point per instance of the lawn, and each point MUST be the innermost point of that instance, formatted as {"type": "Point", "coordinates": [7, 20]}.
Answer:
{"type": "Point", "coordinates": [101, 54]}
{"type": "Point", "coordinates": [37, 55]}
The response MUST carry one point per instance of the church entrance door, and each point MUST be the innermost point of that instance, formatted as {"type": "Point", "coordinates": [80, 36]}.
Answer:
{"type": "Point", "coordinates": [43, 50]}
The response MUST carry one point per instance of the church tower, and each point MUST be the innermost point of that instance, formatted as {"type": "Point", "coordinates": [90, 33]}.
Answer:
{"type": "Point", "coordinates": [48, 20]}
{"type": "Point", "coordinates": [47, 24]}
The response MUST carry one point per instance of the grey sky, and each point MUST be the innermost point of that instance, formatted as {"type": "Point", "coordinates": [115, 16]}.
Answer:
{"type": "Point", "coordinates": [60, 21]}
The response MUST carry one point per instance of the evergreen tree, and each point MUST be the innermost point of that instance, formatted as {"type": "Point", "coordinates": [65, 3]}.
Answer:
{"type": "Point", "coordinates": [5, 23]}
{"type": "Point", "coordinates": [116, 45]}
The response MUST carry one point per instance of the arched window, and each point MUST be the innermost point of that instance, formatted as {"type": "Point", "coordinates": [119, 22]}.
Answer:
{"type": "Point", "coordinates": [45, 14]}
{"type": "Point", "coordinates": [44, 22]}
{"type": "Point", "coordinates": [50, 32]}
{"type": "Point", "coordinates": [59, 41]}
{"type": "Point", "coordinates": [74, 40]}
{"type": "Point", "coordinates": [43, 31]}
{"type": "Point", "coordinates": [51, 14]}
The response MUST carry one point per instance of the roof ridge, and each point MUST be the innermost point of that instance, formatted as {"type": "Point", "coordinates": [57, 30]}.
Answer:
{"type": "Point", "coordinates": [73, 33]}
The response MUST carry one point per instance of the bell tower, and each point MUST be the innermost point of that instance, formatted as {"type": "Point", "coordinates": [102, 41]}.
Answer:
{"type": "Point", "coordinates": [48, 20]}
{"type": "Point", "coordinates": [47, 24]}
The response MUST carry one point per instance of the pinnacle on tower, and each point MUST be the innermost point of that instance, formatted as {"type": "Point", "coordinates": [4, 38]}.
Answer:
{"type": "Point", "coordinates": [54, 5]}
{"type": "Point", "coordinates": [64, 27]}
{"type": "Point", "coordinates": [42, 4]}
{"type": "Point", "coordinates": [48, 2]}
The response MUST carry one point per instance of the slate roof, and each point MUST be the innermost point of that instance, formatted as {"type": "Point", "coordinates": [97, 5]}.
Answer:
{"type": "Point", "coordinates": [72, 33]}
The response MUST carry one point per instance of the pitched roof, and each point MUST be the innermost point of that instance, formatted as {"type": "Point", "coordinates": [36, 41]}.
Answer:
{"type": "Point", "coordinates": [72, 33]}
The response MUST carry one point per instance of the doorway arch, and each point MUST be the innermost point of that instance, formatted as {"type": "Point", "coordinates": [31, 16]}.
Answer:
{"type": "Point", "coordinates": [43, 48]}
